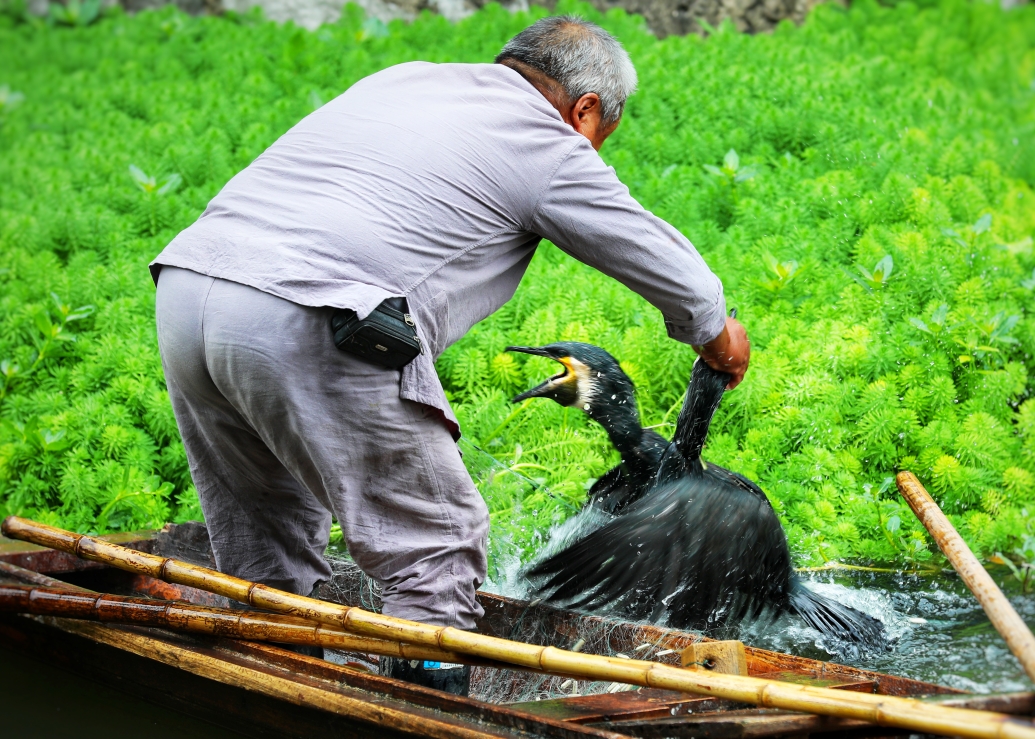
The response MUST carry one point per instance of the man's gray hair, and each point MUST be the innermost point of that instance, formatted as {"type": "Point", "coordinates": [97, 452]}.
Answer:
{"type": "Point", "coordinates": [581, 56]}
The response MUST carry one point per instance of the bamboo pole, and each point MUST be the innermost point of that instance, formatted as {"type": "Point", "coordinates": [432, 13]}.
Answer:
{"type": "Point", "coordinates": [255, 626]}
{"type": "Point", "coordinates": [1002, 615]}
{"type": "Point", "coordinates": [20, 573]}
{"type": "Point", "coordinates": [187, 617]}
{"type": "Point", "coordinates": [878, 709]}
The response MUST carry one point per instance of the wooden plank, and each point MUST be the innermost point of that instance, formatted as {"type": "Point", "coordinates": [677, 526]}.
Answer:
{"type": "Point", "coordinates": [727, 656]}
{"type": "Point", "coordinates": [835, 682]}
{"type": "Point", "coordinates": [1016, 704]}
{"type": "Point", "coordinates": [748, 725]}
{"type": "Point", "coordinates": [645, 703]}
{"type": "Point", "coordinates": [756, 723]}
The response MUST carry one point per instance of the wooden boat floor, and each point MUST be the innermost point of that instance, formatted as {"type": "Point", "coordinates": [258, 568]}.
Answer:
{"type": "Point", "coordinates": [644, 703]}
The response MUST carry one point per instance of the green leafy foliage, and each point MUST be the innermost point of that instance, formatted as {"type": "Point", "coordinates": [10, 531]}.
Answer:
{"type": "Point", "coordinates": [1021, 560]}
{"type": "Point", "coordinates": [9, 100]}
{"type": "Point", "coordinates": [862, 185]}
{"type": "Point", "coordinates": [75, 12]}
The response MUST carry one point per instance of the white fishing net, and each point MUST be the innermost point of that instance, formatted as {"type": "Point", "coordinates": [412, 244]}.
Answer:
{"type": "Point", "coordinates": [532, 623]}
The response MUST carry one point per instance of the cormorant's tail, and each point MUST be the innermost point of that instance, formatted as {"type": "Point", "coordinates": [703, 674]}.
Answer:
{"type": "Point", "coordinates": [837, 620]}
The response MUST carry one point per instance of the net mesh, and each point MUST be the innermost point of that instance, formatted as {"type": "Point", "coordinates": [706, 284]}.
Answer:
{"type": "Point", "coordinates": [532, 623]}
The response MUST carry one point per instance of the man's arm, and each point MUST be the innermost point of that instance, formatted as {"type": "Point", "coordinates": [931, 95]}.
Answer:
{"type": "Point", "coordinates": [589, 213]}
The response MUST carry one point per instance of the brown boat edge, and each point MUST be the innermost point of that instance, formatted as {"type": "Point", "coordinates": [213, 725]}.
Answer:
{"type": "Point", "coordinates": [267, 690]}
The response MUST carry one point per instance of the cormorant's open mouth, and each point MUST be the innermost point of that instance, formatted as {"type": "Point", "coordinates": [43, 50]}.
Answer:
{"type": "Point", "coordinates": [562, 387]}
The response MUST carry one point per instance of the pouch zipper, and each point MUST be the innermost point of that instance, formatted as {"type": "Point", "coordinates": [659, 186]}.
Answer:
{"type": "Point", "coordinates": [408, 320]}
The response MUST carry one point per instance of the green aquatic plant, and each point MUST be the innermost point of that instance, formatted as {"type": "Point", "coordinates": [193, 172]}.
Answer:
{"type": "Point", "coordinates": [75, 12]}
{"type": "Point", "coordinates": [51, 342]}
{"type": "Point", "coordinates": [151, 210]}
{"type": "Point", "coordinates": [782, 273]}
{"type": "Point", "coordinates": [16, 12]}
{"type": "Point", "coordinates": [878, 277]}
{"type": "Point", "coordinates": [868, 207]}
{"type": "Point", "coordinates": [9, 100]}
{"type": "Point", "coordinates": [1023, 570]}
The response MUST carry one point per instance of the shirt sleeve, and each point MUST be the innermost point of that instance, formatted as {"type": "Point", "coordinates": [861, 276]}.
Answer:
{"type": "Point", "coordinates": [588, 213]}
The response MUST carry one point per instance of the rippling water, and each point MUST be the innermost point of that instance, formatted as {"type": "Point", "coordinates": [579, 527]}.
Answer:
{"type": "Point", "coordinates": [942, 635]}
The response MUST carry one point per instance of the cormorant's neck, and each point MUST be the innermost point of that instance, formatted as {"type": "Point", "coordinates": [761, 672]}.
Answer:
{"type": "Point", "coordinates": [621, 420]}
{"type": "Point", "coordinates": [702, 398]}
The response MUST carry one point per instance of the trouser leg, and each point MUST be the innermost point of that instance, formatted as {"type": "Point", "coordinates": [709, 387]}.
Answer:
{"type": "Point", "coordinates": [413, 518]}
{"type": "Point", "coordinates": [264, 526]}
{"type": "Point", "coordinates": [387, 467]}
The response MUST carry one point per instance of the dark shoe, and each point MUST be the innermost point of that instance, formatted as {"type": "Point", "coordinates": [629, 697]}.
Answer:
{"type": "Point", "coordinates": [444, 676]}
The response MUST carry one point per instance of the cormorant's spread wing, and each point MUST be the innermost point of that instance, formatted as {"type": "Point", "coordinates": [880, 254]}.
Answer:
{"type": "Point", "coordinates": [696, 552]}
{"type": "Point", "coordinates": [734, 479]}
{"type": "Point", "coordinates": [612, 491]}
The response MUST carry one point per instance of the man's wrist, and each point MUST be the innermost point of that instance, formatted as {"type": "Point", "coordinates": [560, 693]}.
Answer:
{"type": "Point", "coordinates": [716, 347]}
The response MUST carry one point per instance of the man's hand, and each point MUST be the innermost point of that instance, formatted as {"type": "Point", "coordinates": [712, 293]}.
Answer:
{"type": "Point", "coordinates": [728, 352]}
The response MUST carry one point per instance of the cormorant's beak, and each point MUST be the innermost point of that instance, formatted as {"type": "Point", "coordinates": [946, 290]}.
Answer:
{"type": "Point", "coordinates": [562, 387]}
{"type": "Point", "coordinates": [539, 351]}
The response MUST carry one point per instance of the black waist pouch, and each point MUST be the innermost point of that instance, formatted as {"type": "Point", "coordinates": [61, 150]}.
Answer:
{"type": "Point", "coordinates": [387, 337]}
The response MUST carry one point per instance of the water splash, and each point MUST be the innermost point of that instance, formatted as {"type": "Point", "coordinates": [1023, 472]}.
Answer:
{"type": "Point", "coordinates": [941, 633]}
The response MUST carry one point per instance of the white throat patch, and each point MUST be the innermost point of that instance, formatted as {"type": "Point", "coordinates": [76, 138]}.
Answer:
{"type": "Point", "coordinates": [585, 383]}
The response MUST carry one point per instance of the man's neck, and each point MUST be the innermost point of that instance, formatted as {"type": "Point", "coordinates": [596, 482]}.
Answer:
{"type": "Point", "coordinates": [547, 86]}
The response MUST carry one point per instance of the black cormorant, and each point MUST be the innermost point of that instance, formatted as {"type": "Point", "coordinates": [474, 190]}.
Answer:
{"type": "Point", "coordinates": [692, 544]}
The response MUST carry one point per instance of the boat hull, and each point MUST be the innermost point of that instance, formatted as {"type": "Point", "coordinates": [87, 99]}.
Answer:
{"type": "Point", "coordinates": [267, 690]}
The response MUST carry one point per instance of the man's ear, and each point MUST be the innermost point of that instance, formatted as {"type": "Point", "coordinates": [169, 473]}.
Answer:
{"type": "Point", "coordinates": [586, 114]}
{"type": "Point", "coordinates": [587, 118]}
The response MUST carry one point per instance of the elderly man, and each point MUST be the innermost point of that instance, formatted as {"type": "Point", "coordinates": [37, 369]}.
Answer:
{"type": "Point", "coordinates": [427, 187]}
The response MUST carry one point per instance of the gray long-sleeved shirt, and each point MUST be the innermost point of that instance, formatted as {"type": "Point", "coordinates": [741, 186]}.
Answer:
{"type": "Point", "coordinates": [435, 182]}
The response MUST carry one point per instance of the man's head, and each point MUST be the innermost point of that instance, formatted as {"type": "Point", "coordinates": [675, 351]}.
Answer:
{"type": "Point", "coordinates": [579, 67]}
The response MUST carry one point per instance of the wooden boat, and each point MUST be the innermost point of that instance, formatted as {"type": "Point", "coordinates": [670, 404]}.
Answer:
{"type": "Point", "coordinates": [266, 690]}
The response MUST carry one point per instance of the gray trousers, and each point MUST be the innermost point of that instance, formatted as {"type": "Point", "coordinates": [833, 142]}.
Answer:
{"type": "Point", "coordinates": [282, 429]}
